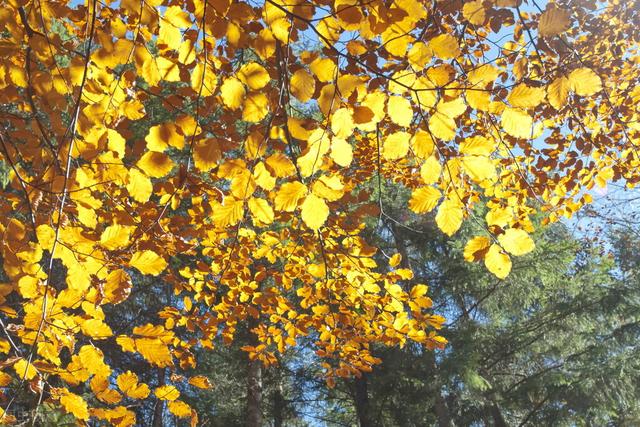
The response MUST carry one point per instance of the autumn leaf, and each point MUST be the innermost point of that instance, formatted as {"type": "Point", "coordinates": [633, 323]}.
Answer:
{"type": "Point", "coordinates": [148, 262]}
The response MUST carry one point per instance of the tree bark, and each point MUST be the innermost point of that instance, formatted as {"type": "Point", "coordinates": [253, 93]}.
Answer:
{"type": "Point", "coordinates": [159, 406]}
{"type": "Point", "coordinates": [361, 399]}
{"type": "Point", "coordinates": [254, 384]}
{"type": "Point", "coordinates": [278, 407]}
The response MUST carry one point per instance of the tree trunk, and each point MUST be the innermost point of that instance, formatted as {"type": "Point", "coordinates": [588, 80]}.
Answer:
{"type": "Point", "coordinates": [496, 414]}
{"type": "Point", "coordinates": [278, 407]}
{"type": "Point", "coordinates": [159, 407]}
{"type": "Point", "coordinates": [439, 408]}
{"type": "Point", "coordinates": [254, 383]}
{"type": "Point", "coordinates": [254, 394]}
{"type": "Point", "coordinates": [361, 398]}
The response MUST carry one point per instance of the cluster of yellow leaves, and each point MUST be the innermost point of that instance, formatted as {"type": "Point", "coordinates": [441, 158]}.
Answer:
{"type": "Point", "coordinates": [196, 147]}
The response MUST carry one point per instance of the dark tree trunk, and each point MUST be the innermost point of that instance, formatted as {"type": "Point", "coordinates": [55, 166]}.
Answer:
{"type": "Point", "coordinates": [496, 414]}
{"type": "Point", "coordinates": [254, 384]}
{"type": "Point", "coordinates": [159, 407]}
{"type": "Point", "coordinates": [361, 398]}
{"type": "Point", "coordinates": [439, 408]}
{"type": "Point", "coordinates": [278, 407]}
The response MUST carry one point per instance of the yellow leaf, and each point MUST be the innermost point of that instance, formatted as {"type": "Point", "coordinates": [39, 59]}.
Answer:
{"type": "Point", "coordinates": [476, 248]}
{"type": "Point", "coordinates": [260, 211]}
{"type": "Point", "coordinates": [477, 145]}
{"type": "Point", "coordinates": [445, 46]}
{"type": "Point", "coordinates": [342, 123]}
{"type": "Point", "coordinates": [148, 262]}
{"type": "Point", "coordinates": [557, 92]}
{"type": "Point", "coordinates": [117, 286]}
{"type": "Point", "coordinates": [419, 55]}
{"type": "Point", "coordinates": [585, 82]}
{"type": "Point", "coordinates": [115, 236]}
{"type": "Point", "coordinates": [288, 196]}
{"type": "Point", "coordinates": [154, 164]}
{"type": "Point", "coordinates": [167, 69]}
{"type": "Point", "coordinates": [516, 241]}
{"type": "Point", "coordinates": [200, 381]}
{"type": "Point", "coordinates": [169, 34]}
{"type": "Point", "coordinates": [442, 126]}
{"type": "Point", "coordinates": [229, 213]}
{"type": "Point", "coordinates": [263, 177]}
{"type": "Point", "coordinates": [204, 80]}
{"type": "Point", "coordinates": [25, 370]}
{"type": "Point", "coordinates": [395, 259]}
{"type": "Point", "coordinates": [139, 185]}
{"type": "Point", "coordinates": [431, 170]}
{"type": "Point", "coordinates": [474, 12]}
{"type": "Point", "coordinates": [553, 21]}
{"type": "Point", "coordinates": [243, 184]}
{"type": "Point", "coordinates": [526, 96]}
{"type": "Point", "coordinates": [424, 199]}
{"type": "Point", "coordinates": [324, 69]}
{"type": "Point", "coordinates": [422, 144]}
{"type": "Point", "coordinates": [232, 92]}
{"type": "Point", "coordinates": [302, 85]}
{"type": "Point", "coordinates": [100, 387]}
{"type": "Point", "coordinates": [314, 211]}
{"type": "Point", "coordinates": [254, 75]}
{"type": "Point", "coordinates": [341, 152]}
{"type": "Point", "coordinates": [400, 111]}
{"type": "Point", "coordinates": [481, 76]}
{"type": "Point", "coordinates": [162, 136]}
{"type": "Point", "coordinates": [206, 154]}
{"type": "Point", "coordinates": [96, 328]}
{"type": "Point", "coordinates": [479, 168]}
{"type": "Point", "coordinates": [517, 123]}
{"type": "Point", "coordinates": [396, 145]}
{"type": "Point", "coordinates": [497, 261]}
{"type": "Point", "coordinates": [329, 187]}
{"type": "Point", "coordinates": [167, 392]}
{"type": "Point", "coordinates": [128, 383]}
{"type": "Point", "coordinates": [74, 404]}
{"type": "Point", "coordinates": [187, 52]}
{"type": "Point", "coordinates": [256, 107]}
{"type": "Point", "coordinates": [449, 216]}
{"type": "Point", "coordinates": [179, 409]}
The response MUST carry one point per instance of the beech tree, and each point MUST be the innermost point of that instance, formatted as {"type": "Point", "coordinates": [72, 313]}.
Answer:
{"type": "Point", "coordinates": [168, 144]}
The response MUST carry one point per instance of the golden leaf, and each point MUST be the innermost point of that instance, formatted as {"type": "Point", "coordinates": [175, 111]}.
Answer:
{"type": "Point", "coordinates": [553, 21]}
{"type": "Point", "coordinates": [314, 211]}
{"type": "Point", "coordinates": [400, 110]}
{"type": "Point", "coordinates": [557, 92]}
{"type": "Point", "coordinates": [517, 123]}
{"type": "Point", "coordinates": [424, 199]}
{"type": "Point", "coordinates": [128, 383]}
{"type": "Point", "coordinates": [497, 261]}
{"type": "Point", "coordinates": [200, 381]}
{"type": "Point", "coordinates": [154, 164]}
{"type": "Point", "coordinates": [148, 262]}
{"type": "Point", "coordinates": [74, 404]}
{"type": "Point", "coordinates": [449, 216]}
{"type": "Point", "coordinates": [303, 85]}
{"type": "Point", "coordinates": [115, 236]}
{"type": "Point", "coordinates": [396, 145]}
{"type": "Point", "coordinates": [525, 96]}
{"type": "Point", "coordinates": [585, 82]}
{"type": "Point", "coordinates": [167, 392]}
{"type": "Point", "coordinates": [254, 75]}
{"type": "Point", "coordinates": [476, 248]}
{"type": "Point", "coordinates": [516, 241]}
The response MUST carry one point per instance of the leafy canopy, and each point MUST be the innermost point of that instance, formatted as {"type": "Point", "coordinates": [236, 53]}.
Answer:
{"type": "Point", "coordinates": [232, 150]}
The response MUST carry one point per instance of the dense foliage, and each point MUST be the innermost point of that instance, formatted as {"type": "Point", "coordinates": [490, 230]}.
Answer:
{"type": "Point", "coordinates": [180, 176]}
